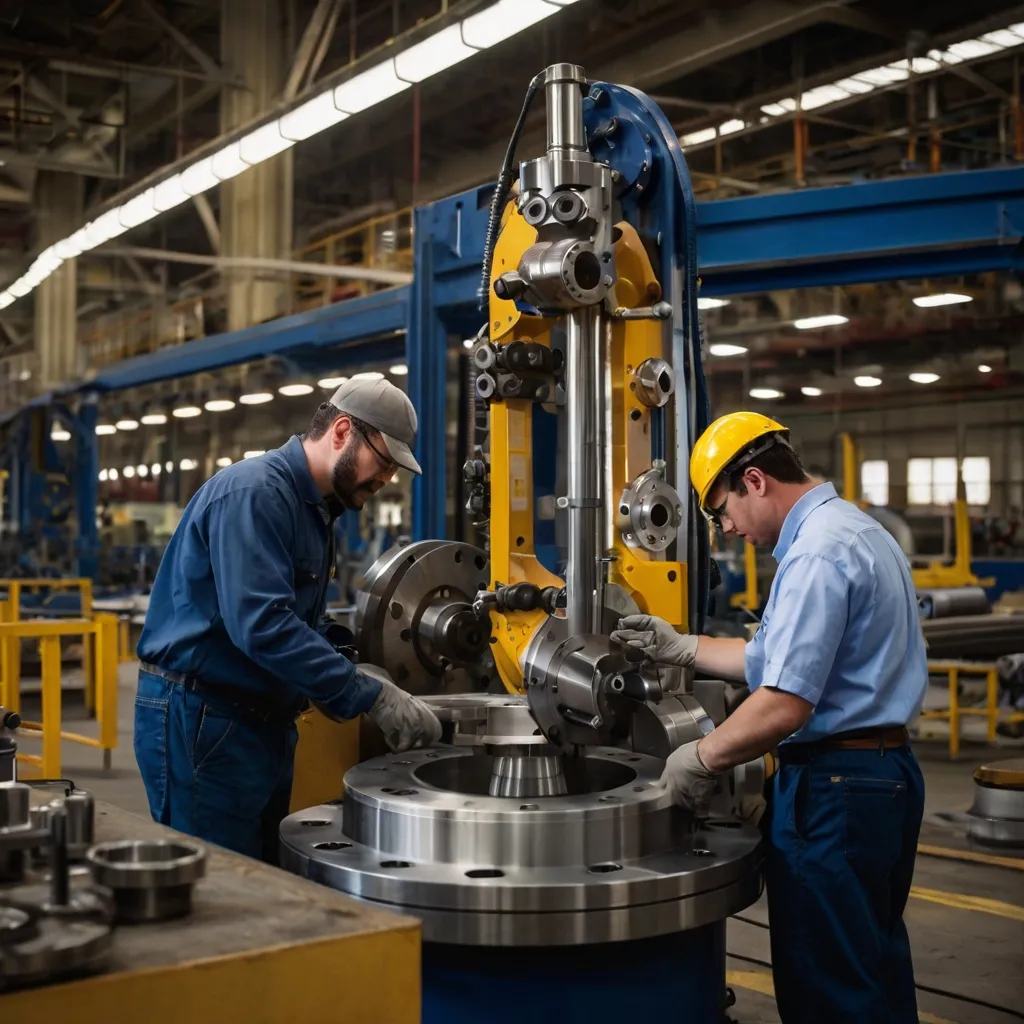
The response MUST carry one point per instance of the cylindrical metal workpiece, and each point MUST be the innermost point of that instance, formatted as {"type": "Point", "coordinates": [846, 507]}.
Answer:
{"type": "Point", "coordinates": [564, 98]}
{"type": "Point", "coordinates": [583, 412]}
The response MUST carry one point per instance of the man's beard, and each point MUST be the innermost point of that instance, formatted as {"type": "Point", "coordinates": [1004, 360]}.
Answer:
{"type": "Point", "coordinates": [345, 480]}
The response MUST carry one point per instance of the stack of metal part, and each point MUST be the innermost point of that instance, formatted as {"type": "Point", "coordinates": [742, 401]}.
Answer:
{"type": "Point", "coordinates": [979, 637]}
{"type": "Point", "coordinates": [944, 602]}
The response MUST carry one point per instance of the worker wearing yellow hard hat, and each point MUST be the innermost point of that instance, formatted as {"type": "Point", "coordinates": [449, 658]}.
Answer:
{"type": "Point", "coordinates": [836, 670]}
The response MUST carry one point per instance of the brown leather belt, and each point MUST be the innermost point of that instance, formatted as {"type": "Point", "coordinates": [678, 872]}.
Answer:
{"type": "Point", "coordinates": [883, 738]}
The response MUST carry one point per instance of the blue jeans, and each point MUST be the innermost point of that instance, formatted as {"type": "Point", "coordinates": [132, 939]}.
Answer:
{"type": "Point", "coordinates": [210, 773]}
{"type": "Point", "coordinates": [842, 837]}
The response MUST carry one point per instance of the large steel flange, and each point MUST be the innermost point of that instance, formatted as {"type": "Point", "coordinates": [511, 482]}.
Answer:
{"type": "Point", "coordinates": [996, 817]}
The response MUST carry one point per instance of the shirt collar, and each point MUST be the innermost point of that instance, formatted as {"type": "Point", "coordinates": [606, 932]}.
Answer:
{"type": "Point", "coordinates": [798, 513]}
{"type": "Point", "coordinates": [295, 455]}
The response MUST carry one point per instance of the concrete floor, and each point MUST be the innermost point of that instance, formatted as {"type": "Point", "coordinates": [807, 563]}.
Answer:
{"type": "Point", "coordinates": [966, 920]}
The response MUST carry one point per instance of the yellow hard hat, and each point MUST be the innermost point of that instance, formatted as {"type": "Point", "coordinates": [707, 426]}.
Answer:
{"type": "Point", "coordinates": [723, 442]}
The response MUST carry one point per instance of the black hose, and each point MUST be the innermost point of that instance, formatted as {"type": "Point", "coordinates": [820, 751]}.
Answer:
{"type": "Point", "coordinates": [501, 191]}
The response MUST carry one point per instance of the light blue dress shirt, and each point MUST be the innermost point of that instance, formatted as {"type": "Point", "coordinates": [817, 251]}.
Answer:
{"type": "Point", "coordinates": [841, 627]}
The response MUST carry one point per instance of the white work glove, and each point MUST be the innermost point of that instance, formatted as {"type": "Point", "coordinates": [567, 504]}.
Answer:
{"type": "Point", "coordinates": [658, 640]}
{"type": "Point", "coordinates": [405, 721]}
{"type": "Point", "coordinates": [689, 783]}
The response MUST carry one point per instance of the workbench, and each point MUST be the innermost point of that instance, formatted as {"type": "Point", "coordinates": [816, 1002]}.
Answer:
{"type": "Point", "coordinates": [259, 945]}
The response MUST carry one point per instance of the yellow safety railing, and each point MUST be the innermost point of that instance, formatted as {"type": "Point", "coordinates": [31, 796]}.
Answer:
{"type": "Point", "coordinates": [102, 630]}
{"type": "Point", "coordinates": [953, 671]}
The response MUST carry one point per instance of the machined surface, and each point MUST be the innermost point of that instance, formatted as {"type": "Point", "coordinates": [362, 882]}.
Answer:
{"type": "Point", "coordinates": [610, 860]}
{"type": "Point", "coordinates": [1007, 774]}
{"type": "Point", "coordinates": [649, 512]}
{"type": "Point", "coordinates": [996, 816]}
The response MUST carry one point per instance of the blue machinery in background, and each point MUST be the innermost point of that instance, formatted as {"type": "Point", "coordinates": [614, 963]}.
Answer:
{"type": "Point", "coordinates": [936, 225]}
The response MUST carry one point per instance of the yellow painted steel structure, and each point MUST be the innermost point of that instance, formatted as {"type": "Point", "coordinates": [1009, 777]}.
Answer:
{"type": "Point", "coordinates": [655, 584]}
{"type": "Point", "coordinates": [953, 713]}
{"type": "Point", "coordinates": [750, 598]}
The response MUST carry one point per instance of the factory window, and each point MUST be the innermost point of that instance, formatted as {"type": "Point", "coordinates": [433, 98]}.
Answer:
{"type": "Point", "coordinates": [931, 481]}
{"type": "Point", "coordinates": [874, 481]}
{"type": "Point", "coordinates": [976, 472]}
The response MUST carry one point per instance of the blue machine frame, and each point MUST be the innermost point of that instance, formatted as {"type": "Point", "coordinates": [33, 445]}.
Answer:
{"type": "Point", "coordinates": [946, 224]}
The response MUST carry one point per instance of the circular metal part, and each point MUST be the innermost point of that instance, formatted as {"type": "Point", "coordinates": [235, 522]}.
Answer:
{"type": "Point", "coordinates": [649, 513]}
{"type": "Point", "coordinates": [414, 616]}
{"type": "Point", "coordinates": [564, 274]}
{"type": "Point", "coordinates": [996, 818]}
{"type": "Point", "coordinates": [18, 832]}
{"type": "Point", "coordinates": [658, 729]}
{"type": "Point", "coordinates": [568, 207]}
{"type": "Point", "coordinates": [488, 720]}
{"type": "Point", "coordinates": [483, 356]}
{"type": "Point", "coordinates": [14, 807]}
{"type": "Point", "coordinates": [655, 382]}
{"type": "Point", "coordinates": [526, 775]}
{"type": "Point", "coordinates": [81, 812]}
{"type": "Point", "coordinates": [609, 860]}
{"type": "Point", "coordinates": [17, 924]}
{"type": "Point", "coordinates": [1008, 774]}
{"type": "Point", "coordinates": [151, 879]}
{"type": "Point", "coordinates": [535, 211]}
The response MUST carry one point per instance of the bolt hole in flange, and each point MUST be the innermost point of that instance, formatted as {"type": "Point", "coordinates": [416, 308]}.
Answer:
{"type": "Point", "coordinates": [529, 807]}
{"type": "Point", "coordinates": [332, 846]}
{"type": "Point", "coordinates": [659, 515]}
{"type": "Point", "coordinates": [395, 864]}
{"type": "Point", "coordinates": [603, 869]}
{"type": "Point", "coordinates": [485, 873]}
{"type": "Point", "coordinates": [311, 823]}
{"type": "Point", "coordinates": [700, 851]}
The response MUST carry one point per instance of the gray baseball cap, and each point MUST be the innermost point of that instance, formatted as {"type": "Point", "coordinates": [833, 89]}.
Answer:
{"type": "Point", "coordinates": [381, 405]}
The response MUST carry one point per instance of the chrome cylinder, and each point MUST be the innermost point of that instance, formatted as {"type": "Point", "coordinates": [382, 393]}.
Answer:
{"type": "Point", "coordinates": [564, 101]}
{"type": "Point", "coordinates": [524, 774]}
{"type": "Point", "coordinates": [583, 411]}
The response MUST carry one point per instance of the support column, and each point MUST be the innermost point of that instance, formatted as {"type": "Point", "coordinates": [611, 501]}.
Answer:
{"type": "Point", "coordinates": [59, 201]}
{"type": "Point", "coordinates": [255, 207]}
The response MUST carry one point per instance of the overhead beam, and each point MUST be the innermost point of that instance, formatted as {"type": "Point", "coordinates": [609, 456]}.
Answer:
{"type": "Point", "coordinates": [43, 92]}
{"type": "Point", "coordinates": [308, 44]}
{"type": "Point", "coordinates": [192, 49]}
{"type": "Point", "coordinates": [44, 162]}
{"type": "Point", "coordinates": [209, 219]}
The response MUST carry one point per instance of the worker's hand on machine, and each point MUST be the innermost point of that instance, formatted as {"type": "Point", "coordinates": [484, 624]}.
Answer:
{"type": "Point", "coordinates": [404, 719]}
{"type": "Point", "coordinates": [689, 783]}
{"type": "Point", "coordinates": [658, 640]}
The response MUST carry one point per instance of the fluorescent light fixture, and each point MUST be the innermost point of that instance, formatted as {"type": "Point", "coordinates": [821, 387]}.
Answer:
{"type": "Point", "coordinates": [103, 229]}
{"type": "Point", "coordinates": [709, 303]}
{"type": "Point", "coordinates": [810, 323]}
{"type": "Point", "coordinates": [127, 423]}
{"type": "Point", "coordinates": [155, 469]}
{"type": "Point", "coordinates": [6, 298]}
{"type": "Point", "coordinates": [398, 370]}
{"type": "Point", "coordinates": [723, 349]}
{"type": "Point", "coordinates": [169, 194]}
{"type": "Point", "coordinates": [227, 163]}
{"type": "Point", "coordinates": [59, 433]}
{"type": "Point", "coordinates": [105, 429]}
{"type": "Point", "coordinates": [263, 143]}
{"type": "Point", "coordinates": [698, 138]}
{"type": "Point", "coordinates": [822, 96]}
{"type": "Point", "coordinates": [142, 470]}
{"type": "Point", "coordinates": [219, 404]}
{"type": "Point", "coordinates": [199, 177]}
{"type": "Point", "coordinates": [502, 20]}
{"type": "Point", "coordinates": [368, 375]}
{"type": "Point", "coordinates": [811, 392]}
{"type": "Point", "coordinates": [312, 117]}
{"type": "Point", "coordinates": [112, 474]}
{"type": "Point", "coordinates": [971, 49]}
{"type": "Point", "coordinates": [765, 393]}
{"type": "Point", "coordinates": [984, 368]}
{"type": "Point", "coordinates": [224, 461]}
{"type": "Point", "coordinates": [944, 299]}
{"type": "Point", "coordinates": [885, 75]}
{"type": "Point", "coordinates": [253, 454]}
{"type": "Point", "coordinates": [438, 52]}
{"type": "Point", "coordinates": [256, 397]}
{"type": "Point", "coordinates": [924, 378]}
{"type": "Point", "coordinates": [138, 210]}
{"type": "Point", "coordinates": [186, 412]}
{"type": "Point", "coordinates": [103, 474]}
{"type": "Point", "coordinates": [154, 419]}
{"type": "Point", "coordinates": [867, 381]}
{"type": "Point", "coordinates": [187, 464]}
{"type": "Point", "coordinates": [72, 246]}
{"type": "Point", "coordinates": [369, 88]}
{"type": "Point", "coordinates": [295, 390]}
{"type": "Point", "coordinates": [330, 383]}
{"type": "Point", "coordinates": [731, 126]}
{"type": "Point", "coordinates": [128, 472]}
{"type": "Point", "coordinates": [780, 107]}
{"type": "Point", "coordinates": [1003, 38]}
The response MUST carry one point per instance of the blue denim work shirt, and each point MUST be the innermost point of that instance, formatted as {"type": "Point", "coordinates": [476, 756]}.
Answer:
{"type": "Point", "coordinates": [239, 597]}
{"type": "Point", "coordinates": [841, 626]}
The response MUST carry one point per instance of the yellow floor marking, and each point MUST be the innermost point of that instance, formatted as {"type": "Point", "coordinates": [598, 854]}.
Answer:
{"type": "Point", "coordinates": [761, 982]}
{"type": "Point", "coordinates": [974, 856]}
{"type": "Point", "coordinates": [961, 901]}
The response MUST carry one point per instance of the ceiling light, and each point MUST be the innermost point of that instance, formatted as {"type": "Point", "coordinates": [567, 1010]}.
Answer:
{"type": "Point", "coordinates": [59, 433]}
{"type": "Point", "coordinates": [128, 472]}
{"type": "Point", "coordinates": [331, 383]}
{"type": "Point", "coordinates": [138, 210]}
{"type": "Point", "coordinates": [924, 378]}
{"type": "Point", "coordinates": [169, 194]}
{"type": "Point", "coordinates": [103, 475]}
{"type": "Point", "coordinates": [227, 163]}
{"type": "Point", "coordinates": [867, 381]}
{"type": "Point", "coordinates": [438, 52]}
{"type": "Point", "coordinates": [168, 466]}
{"type": "Point", "coordinates": [709, 303]}
{"type": "Point", "coordinates": [186, 412]}
{"type": "Point", "coordinates": [263, 143]}
{"type": "Point", "coordinates": [369, 88]}
{"type": "Point", "coordinates": [945, 299]}
{"type": "Point", "coordinates": [312, 117]}
{"type": "Point", "coordinates": [199, 177]}
{"type": "Point", "coordinates": [142, 470]}
{"type": "Point", "coordinates": [984, 368]}
{"type": "Point", "coordinates": [369, 375]}
{"type": "Point", "coordinates": [398, 370]}
{"type": "Point", "coordinates": [724, 349]}
{"type": "Point", "coordinates": [506, 18]}
{"type": "Point", "coordinates": [187, 464]}
{"type": "Point", "coordinates": [224, 461]}
{"type": "Point", "coordinates": [219, 404]}
{"type": "Point", "coordinates": [809, 323]}
{"type": "Point", "coordinates": [765, 393]}
{"type": "Point", "coordinates": [154, 419]}
{"type": "Point", "coordinates": [104, 429]}
{"type": "Point", "coordinates": [253, 454]}
{"type": "Point", "coordinates": [103, 229]}
{"type": "Point", "coordinates": [295, 390]}
{"type": "Point", "coordinates": [154, 470]}
{"type": "Point", "coordinates": [811, 392]}
{"type": "Point", "coordinates": [112, 474]}
{"type": "Point", "coordinates": [256, 397]}
{"type": "Point", "coordinates": [698, 137]}
{"type": "Point", "coordinates": [127, 423]}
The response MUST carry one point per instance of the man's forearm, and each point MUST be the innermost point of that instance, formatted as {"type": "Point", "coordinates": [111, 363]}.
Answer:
{"type": "Point", "coordinates": [758, 725]}
{"type": "Point", "coordinates": [722, 657]}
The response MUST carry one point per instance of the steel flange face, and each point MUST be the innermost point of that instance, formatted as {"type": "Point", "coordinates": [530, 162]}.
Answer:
{"type": "Point", "coordinates": [649, 513]}
{"type": "Point", "coordinates": [611, 860]}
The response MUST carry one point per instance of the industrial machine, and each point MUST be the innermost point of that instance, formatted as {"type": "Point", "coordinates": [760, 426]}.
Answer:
{"type": "Point", "coordinates": [540, 824]}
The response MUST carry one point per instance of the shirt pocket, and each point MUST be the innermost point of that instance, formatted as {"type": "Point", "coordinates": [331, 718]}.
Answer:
{"type": "Point", "coordinates": [308, 582]}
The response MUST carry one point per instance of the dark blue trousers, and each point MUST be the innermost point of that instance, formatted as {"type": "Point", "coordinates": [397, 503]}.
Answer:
{"type": "Point", "coordinates": [210, 773]}
{"type": "Point", "coordinates": [842, 837]}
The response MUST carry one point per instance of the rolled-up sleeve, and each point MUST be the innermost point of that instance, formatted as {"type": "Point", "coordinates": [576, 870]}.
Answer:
{"type": "Point", "coordinates": [251, 548]}
{"type": "Point", "coordinates": [806, 628]}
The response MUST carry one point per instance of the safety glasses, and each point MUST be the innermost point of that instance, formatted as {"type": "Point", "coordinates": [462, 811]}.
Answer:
{"type": "Point", "coordinates": [385, 460]}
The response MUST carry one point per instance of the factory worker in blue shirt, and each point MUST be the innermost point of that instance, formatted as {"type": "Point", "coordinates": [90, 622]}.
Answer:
{"type": "Point", "coordinates": [837, 670]}
{"type": "Point", "coordinates": [235, 644]}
